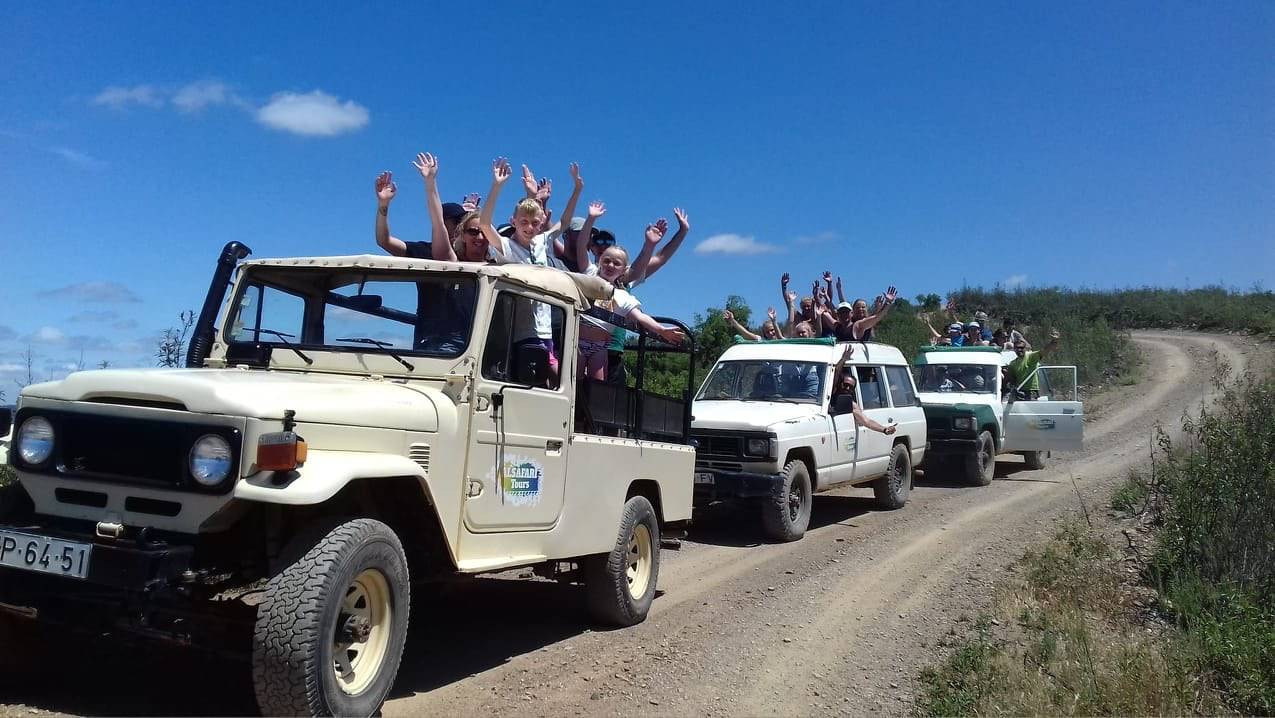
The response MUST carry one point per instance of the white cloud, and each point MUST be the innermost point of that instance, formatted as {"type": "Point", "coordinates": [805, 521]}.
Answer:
{"type": "Point", "coordinates": [48, 335]}
{"type": "Point", "coordinates": [76, 157]}
{"type": "Point", "coordinates": [1016, 280]}
{"type": "Point", "coordinates": [733, 244]}
{"type": "Point", "coordinates": [117, 97]}
{"type": "Point", "coordinates": [205, 93]}
{"type": "Point", "coordinates": [315, 114]}
{"type": "Point", "coordinates": [92, 292]}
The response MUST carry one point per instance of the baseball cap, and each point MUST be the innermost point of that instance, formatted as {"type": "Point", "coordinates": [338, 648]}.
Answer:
{"type": "Point", "coordinates": [602, 236]}
{"type": "Point", "coordinates": [980, 315]}
{"type": "Point", "coordinates": [954, 327]}
{"type": "Point", "coordinates": [453, 211]}
{"type": "Point", "coordinates": [845, 305]}
{"type": "Point", "coordinates": [973, 325]}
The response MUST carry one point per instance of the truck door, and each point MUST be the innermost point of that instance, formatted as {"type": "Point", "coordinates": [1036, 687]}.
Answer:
{"type": "Point", "coordinates": [517, 464]}
{"type": "Point", "coordinates": [1047, 425]}
{"type": "Point", "coordinates": [873, 446]}
{"type": "Point", "coordinates": [845, 436]}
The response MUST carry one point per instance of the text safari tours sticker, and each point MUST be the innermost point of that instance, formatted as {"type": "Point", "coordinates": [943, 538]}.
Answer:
{"type": "Point", "coordinates": [520, 481]}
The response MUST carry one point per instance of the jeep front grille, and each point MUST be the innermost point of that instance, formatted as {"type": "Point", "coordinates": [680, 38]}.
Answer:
{"type": "Point", "coordinates": [420, 454]}
{"type": "Point", "coordinates": [723, 445]}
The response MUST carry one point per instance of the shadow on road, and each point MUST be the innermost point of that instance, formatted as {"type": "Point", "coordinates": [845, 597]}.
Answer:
{"type": "Point", "coordinates": [740, 526]}
{"type": "Point", "coordinates": [457, 630]}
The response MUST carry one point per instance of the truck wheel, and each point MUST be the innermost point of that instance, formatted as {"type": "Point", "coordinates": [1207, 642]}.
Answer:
{"type": "Point", "coordinates": [1035, 459]}
{"type": "Point", "coordinates": [786, 514]}
{"type": "Point", "coordinates": [619, 586]}
{"type": "Point", "coordinates": [892, 489]}
{"type": "Point", "coordinates": [330, 630]}
{"type": "Point", "coordinates": [980, 465]}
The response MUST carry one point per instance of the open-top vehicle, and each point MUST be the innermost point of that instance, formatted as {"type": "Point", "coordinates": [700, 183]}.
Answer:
{"type": "Point", "coordinates": [350, 427]}
{"type": "Point", "coordinates": [972, 415]}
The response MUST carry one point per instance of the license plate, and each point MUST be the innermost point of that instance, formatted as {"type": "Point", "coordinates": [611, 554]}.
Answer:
{"type": "Point", "coordinates": [703, 478]}
{"type": "Point", "coordinates": [44, 554]}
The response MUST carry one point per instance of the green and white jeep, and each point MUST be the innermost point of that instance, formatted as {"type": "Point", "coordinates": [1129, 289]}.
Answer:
{"type": "Point", "coordinates": [972, 416]}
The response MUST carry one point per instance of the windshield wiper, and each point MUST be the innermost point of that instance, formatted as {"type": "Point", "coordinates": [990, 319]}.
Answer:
{"type": "Point", "coordinates": [284, 338]}
{"type": "Point", "coordinates": [380, 345]}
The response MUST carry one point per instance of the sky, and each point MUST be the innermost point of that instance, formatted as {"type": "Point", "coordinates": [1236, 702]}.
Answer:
{"type": "Point", "coordinates": [925, 145]}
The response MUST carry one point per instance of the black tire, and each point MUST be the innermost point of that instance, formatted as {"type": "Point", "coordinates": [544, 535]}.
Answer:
{"type": "Point", "coordinates": [294, 669]}
{"type": "Point", "coordinates": [1036, 459]}
{"type": "Point", "coordinates": [981, 465]}
{"type": "Point", "coordinates": [785, 515]}
{"type": "Point", "coordinates": [615, 596]}
{"type": "Point", "coordinates": [892, 489]}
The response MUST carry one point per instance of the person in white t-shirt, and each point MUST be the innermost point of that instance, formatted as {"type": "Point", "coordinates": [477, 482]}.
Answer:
{"type": "Point", "coordinates": [528, 245]}
{"type": "Point", "coordinates": [595, 334]}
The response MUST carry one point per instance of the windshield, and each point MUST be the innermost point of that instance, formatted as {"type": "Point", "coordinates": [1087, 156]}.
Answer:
{"type": "Point", "coordinates": [968, 378]}
{"type": "Point", "coordinates": [343, 310]}
{"type": "Point", "coordinates": [800, 382]}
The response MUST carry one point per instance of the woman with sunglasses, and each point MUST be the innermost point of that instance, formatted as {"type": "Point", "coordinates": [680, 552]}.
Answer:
{"type": "Point", "coordinates": [468, 243]}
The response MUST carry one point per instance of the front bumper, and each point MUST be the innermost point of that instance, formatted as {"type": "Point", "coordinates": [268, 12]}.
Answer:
{"type": "Point", "coordinates": [950, 445]}
{"type": "Point", "coordinates": [133, 565]}
{"type": "Point", "coordinates": [733, 485]}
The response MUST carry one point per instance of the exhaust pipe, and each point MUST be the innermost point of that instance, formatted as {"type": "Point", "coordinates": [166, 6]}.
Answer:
{"type": "Point", "coordinates": [202, 338]}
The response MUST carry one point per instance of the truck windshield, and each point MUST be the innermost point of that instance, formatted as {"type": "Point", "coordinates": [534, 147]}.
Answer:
{"type": "Point", "coordinates": [757, 380]}
{"type": "Point", "coordinates": [336, 309]}
{"type": "Point", "coordinates": [964, 378]}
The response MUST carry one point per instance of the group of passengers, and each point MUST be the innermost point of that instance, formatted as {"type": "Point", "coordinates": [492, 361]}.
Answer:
{"type": "Point", "coordinates": [466, 232]}
{"type": "Point", "coordinates": [816, 316]}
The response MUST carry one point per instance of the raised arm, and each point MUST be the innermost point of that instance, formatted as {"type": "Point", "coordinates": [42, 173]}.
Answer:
{"type": "Point", "coordinates": [770, 312]}
{"type": "Point", "coordinates": [1053, 343]}
{"type": "Point", "coordinates": [740, 329]}
{"type": "Point", "coordinates": [827, 280]}
{"type": "Point", "coordinates": [841, 296]}
{"type": "Point", "coordinates": [672, 336]}
{"type": "Point", "coordinates": [934, 335]}
{"type": "Point", "coordinates": [667, 252]}
{"type": "Point", "coordinates": [500, 173]}
{"type": "Point", "coordinates": [570, 210]}
{"type": "Point", "coordinates": [868, 322]}
{"type": "Point", "coordinates": [640, 268]}
{"type": "Point", "coordinates": [385, 192]}
{"type": "Point", "coordinates": [596, 209]}
{"type": "Point", "coordinates": [441, 244]}
{"type": "Point", "coordinates": [860, 417]}
{"type": "Point", "coordinates": [841, 363]}
{"type": "Point", "coordinates": [788, 298]}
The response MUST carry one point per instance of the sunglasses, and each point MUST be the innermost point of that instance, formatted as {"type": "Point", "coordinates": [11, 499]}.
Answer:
{"type": "Point", "coordinates": [472, 231]}
{"type": "Point", "coordinates": [602, 242]}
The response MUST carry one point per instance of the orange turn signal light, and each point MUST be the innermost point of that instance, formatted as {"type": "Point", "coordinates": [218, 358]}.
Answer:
{"type": "Point", "coordinates": [280, 451]}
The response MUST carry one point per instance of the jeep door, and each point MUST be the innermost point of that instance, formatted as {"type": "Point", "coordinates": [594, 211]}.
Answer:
{"type": "Point", "coordinates": [1046, 425]}
{"type": "Point", "coordinates": [845, 439]}
{"type": "Point", "coordinates": [516, 470]}
{"type": "Point", "coordinates": [873, 446]}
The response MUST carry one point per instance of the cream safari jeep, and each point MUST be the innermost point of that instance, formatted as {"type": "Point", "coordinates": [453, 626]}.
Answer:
{"type": "Point", "coordinates": [766, 431]}
{"type": "Point", "coordinates": [350, 427]}
{"type": "Point", "coordinates": [972, 416]}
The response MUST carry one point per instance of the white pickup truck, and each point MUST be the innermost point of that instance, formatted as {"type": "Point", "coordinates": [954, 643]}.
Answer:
{"type": "Point", "coordinates": [351, 427]}
{"type": "Point", "coordinates": [972, 415]}
{"type": "Point", "coordinates": [765, 429]}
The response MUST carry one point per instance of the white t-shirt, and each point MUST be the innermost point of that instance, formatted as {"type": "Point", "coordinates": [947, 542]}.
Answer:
{"type": "Point", "coordinates": [621, 303]}
{"type": "Point", "coordinates": [540, 324]}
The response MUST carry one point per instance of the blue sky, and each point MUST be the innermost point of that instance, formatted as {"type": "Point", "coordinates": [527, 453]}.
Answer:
{"type": "Point", "coordinates": [924, 145]}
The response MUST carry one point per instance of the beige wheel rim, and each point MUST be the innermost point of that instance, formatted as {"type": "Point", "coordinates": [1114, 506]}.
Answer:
{"type": "Point", "coordinates": [638, 570]}
{"type": "Point", "coordinates": [362, 636]}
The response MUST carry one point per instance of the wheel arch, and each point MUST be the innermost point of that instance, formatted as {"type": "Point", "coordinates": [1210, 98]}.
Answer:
{"type": "Point", "coordinates": [650, 490]}
{"type": "Point", "coordinates": [807, 456]}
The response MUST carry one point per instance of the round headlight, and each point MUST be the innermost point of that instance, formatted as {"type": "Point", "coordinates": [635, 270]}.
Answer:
{"type": "Point", "coordinates": [35, 440]}
{"type": "Point", "coordinates": [210, 460]}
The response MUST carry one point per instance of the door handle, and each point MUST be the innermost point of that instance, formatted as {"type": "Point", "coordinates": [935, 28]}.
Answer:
{"type": "Point", "coordinates": [553, 445]}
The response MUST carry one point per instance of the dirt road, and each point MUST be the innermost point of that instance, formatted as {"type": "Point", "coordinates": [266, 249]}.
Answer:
{"type": "Point", "coordinates": [835, 623]}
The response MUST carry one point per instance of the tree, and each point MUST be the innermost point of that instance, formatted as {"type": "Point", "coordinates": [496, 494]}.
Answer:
{"type": "Point", "coordinates": [171, 346]}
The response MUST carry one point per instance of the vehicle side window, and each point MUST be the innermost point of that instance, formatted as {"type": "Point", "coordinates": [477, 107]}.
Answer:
{"type": "Point", "coordinates": [900, 386]}
{"type": "Point", "coordinates": [872, 388]}
{"type": "Point", "coordinates": [265, 307]}
{"type": "Point", "coordinates": [525, 361]}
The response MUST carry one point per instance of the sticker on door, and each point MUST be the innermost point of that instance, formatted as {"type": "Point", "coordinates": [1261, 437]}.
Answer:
{"type": "Point", "coordinates": [520, 481]}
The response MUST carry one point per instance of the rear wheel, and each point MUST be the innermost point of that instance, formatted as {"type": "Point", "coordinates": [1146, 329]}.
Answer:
{"type": "Point", "coordinates": [620, 585]}
{"type": "Point", "coordinates": [892, 489]}
{"type": "Point", "coordinates": [786, 514]}
{"type": "Point", "coordinates": [980, 465]}
{"type": "Point", "coordinates": [1036, 459]}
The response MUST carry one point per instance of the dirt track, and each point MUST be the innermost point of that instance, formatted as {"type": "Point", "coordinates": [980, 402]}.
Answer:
{"type": "Point", "coordinates": [835, 623]}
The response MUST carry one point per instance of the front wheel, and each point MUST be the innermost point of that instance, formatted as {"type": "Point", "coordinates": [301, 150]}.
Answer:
{"type": "Point", "coordinates": [620, 585]}
{"type": "Point", "coordinates": [786, 514]}
{"type": "Point", "coordinates": [892, 489]}
{"type": "Point", "coordinates": [981, 465]}
{"type": "Point", "coordinates": [1036, 459]}
{"type": "Point", "coordinates": [330, 630]}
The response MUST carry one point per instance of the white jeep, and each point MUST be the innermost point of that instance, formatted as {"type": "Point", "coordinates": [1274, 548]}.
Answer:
{"type": "Point", "coordinates": [351, 426]}
{"type": "Point", "coordinates": [765, 429]}
{"type": "Point", "coordinates": [972, 415]}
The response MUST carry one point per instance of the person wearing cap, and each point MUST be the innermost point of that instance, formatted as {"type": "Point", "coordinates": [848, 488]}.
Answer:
{"type": "Point", "coordinates": [843, 330]}
{"type": "Point", "coordinates": [863, 324]}
{"type": "Point", "coordinates": [985, 325]}
{"type": "Point", "coordinates": [1024, 365]}
{"type": "Point", "coordinates": [973, 335]}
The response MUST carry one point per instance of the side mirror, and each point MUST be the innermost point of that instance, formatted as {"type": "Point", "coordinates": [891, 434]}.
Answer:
{"type": "Point", "coordinates": [842, 404]}
{"type": "Point", "coordinates": [531, 365]}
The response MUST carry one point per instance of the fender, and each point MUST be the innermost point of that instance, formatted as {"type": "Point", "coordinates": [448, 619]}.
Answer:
{"type": "Point", "coordinates": [325, 473]}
